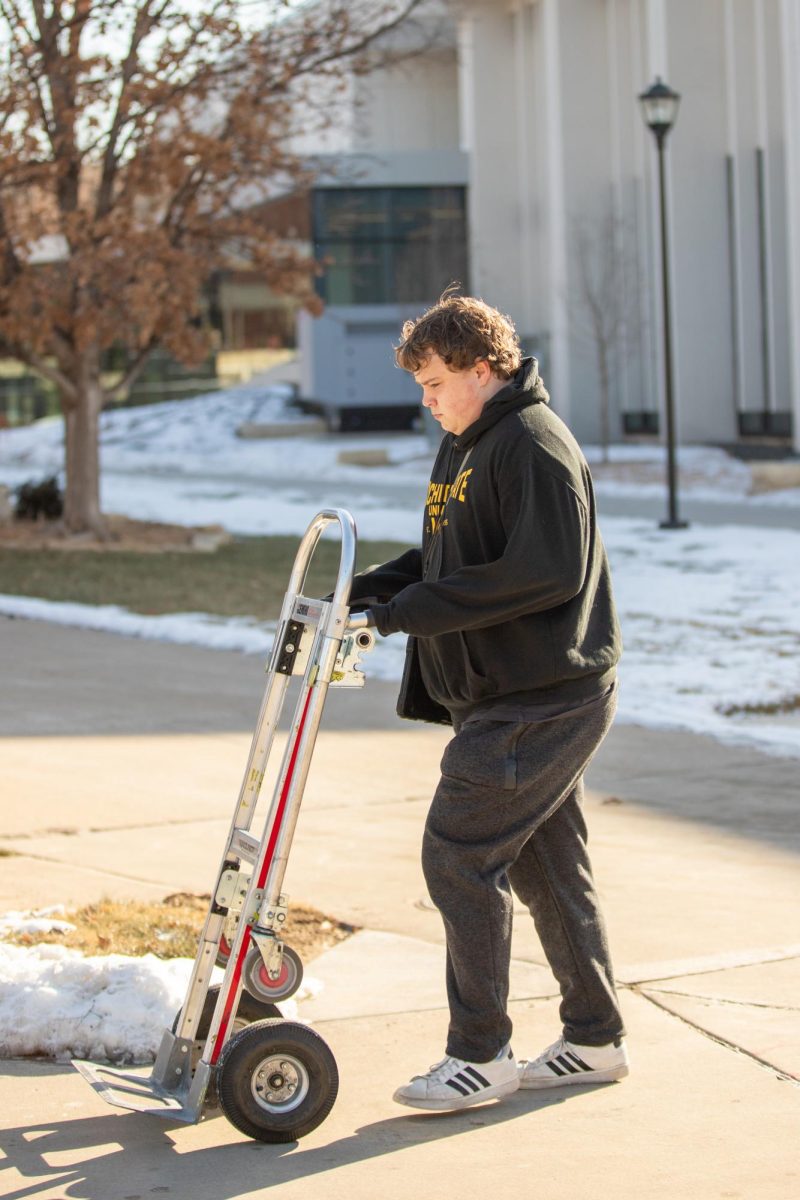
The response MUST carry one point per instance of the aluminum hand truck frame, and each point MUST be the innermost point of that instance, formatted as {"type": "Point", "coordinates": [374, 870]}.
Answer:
{"type": "Point", "coordinates": [229, 1047]}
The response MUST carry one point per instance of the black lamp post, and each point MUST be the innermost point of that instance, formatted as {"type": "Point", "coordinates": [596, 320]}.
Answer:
{"type": "Point", "coordinates": [660, 108]}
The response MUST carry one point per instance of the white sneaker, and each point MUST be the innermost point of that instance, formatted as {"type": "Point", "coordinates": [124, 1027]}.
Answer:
{"type": "Point", "coordinates": [566, 1063]}
{"type": "Point", "coordinates": [454, 1083]}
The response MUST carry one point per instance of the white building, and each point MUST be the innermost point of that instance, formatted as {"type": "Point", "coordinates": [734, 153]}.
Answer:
{"type": "Point", "coordinates": [533, 105]}
{"type": "Point", "coordinates": [388, 214]}
{"type": "Point", "coordinates": [562, 167]}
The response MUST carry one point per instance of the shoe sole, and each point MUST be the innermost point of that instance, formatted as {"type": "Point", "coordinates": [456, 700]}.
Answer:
{"type": "Point", "coordinates": [447, 1105]}
{"type": "Point", "coordinates": [586, 1077]}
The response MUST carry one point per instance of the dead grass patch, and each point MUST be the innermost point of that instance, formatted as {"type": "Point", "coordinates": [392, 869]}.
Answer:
{"type": "Point", "coordinates": [769, 708]}
{"type": "Point", "coordinates": [171, 928]}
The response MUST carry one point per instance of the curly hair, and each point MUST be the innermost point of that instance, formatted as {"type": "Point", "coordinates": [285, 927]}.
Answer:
{"type": "Point", "coordinates": [461, 330]}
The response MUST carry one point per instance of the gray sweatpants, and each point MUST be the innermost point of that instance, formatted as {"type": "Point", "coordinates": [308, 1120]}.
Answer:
{"type": "Point", "coordinates": [507, 811]}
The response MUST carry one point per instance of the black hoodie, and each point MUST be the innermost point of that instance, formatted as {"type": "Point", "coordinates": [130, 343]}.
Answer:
{"type": "Point", "coordinates": [509, 596]}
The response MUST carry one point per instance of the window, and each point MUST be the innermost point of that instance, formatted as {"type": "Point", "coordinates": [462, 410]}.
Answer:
{"type": "Point", "coordinates": [389, 245]}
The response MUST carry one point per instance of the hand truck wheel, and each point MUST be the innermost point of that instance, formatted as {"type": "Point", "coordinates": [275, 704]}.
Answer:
{"type": "Point", "coordinates": [277, 1080]}
{"type": "Point", "coordinates": [227, 938]}
{"type": "Point", "coordinates": [249, 1010]}
{"type": "Point", "coordinates": [258, 983]}
{"type": "Point", "coordinates": [223, 952]}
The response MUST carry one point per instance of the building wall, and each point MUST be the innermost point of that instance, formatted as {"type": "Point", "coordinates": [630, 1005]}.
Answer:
{"type": "Point", "coordinates": [400, 130]}
{"type": "Point", "coordinates": [590, 205]}
{"type": "Point", "coordinates": [489, 133]}
{"type": "Point", "coordinates": [408, 107]}
{"type": "Point", "coordinates": [698, 224]}
{"type": "Point", "coordinates": [774, 66]}
{"type": "Point", "coordinates": [789, 57]}
{"type": "Point", "coordinates": [549, 107]}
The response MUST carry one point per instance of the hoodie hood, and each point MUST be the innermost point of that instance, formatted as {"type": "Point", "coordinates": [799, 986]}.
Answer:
{"type": "Point", "coordinates": [524, 388]}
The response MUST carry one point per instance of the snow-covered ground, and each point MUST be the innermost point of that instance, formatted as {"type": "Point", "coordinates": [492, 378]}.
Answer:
{"type": "Point", "coordinates": [709, 615]}
{"type": "Point", "coordinates": [710, 619]}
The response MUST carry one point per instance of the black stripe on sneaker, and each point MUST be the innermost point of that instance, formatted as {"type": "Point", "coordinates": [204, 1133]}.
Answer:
{"type": "Point", "coordinates": [556, 1070]}
{"type": "Point", "coordinates": [477, 1075]}
{"type": "Point", "coordinates": [469, 1082]}
{"type": "Point", "coordinates": [457, 1087]}
{"type": "Point", "coordinates": [583, 1066]}
{"type": "Point", "coordinates": [566, 1063]}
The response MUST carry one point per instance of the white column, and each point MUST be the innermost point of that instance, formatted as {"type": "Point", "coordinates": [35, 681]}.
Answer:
{"type": "Point", "coordinates": [732, 118]}
{"type": "Point", "coordinates": [466, 89]}
{"type": "Point", "coordinates": [762, 126]}
{"type": "Point", "coordinates": [523, 73]}
{"type": "Point", "coordinates": [641, 151]}
{"type": "Point", "coordinates": [658, 64]}
{"type": "Point", "coordinates": [790, 48]}
{"type": "Point", "coordinates": [621, 233]}
{"type": "Point", "coordinates": [558, 382]}
{"type": "Point", "coordinates": [657, 38]}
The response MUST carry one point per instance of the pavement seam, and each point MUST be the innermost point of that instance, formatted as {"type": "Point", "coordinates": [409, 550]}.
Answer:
{"type": "Point", "coordinates": [402, 1012]}
{"type": "Point", "coordinates": [713, 966]}
{"type": "Point", "coordinates": [764, 1063]}
{"type": "Point", "coordinates": [60, 862]}
{"type": "Point", "coordinates": [77, 832]}
{"type": "Point", "coordinates": [71, 833]}
{"type": "Point", "coordinates": [728, 1000]}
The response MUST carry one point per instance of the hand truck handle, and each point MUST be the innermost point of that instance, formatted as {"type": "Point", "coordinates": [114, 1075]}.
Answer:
{"type": "Point", "coordinates": [358, 621]}
{"type": "Point", "coordinates": [347, 561]}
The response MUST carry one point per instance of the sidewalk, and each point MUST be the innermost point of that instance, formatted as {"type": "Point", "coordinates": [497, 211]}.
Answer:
{"type": "Point", "coordinates": [695, 849]}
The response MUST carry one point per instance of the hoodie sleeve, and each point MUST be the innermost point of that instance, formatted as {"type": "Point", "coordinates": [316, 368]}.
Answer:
{"type": "Point", "coordinates": [383, 582]}
{"type": "Point", "coordinates": [543, 564]}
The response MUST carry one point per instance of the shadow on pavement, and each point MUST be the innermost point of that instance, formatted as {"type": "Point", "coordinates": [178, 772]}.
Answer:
{"type": "Point", "coordinates": [62, 682]}
{"type": "Point", "coordinates": [70, 682]}
{"type": "Point", "coordinates": [129, 1157]}
{"type": "Point", "coordinates": [698, 779]}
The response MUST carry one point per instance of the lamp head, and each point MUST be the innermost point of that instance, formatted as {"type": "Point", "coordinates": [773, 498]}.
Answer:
{"type": "Point", "coordinates": [659, 107]}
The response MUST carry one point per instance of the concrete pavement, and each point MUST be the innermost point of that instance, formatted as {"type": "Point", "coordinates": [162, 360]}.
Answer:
{"type": "Point", "coordinates": [120, 764]}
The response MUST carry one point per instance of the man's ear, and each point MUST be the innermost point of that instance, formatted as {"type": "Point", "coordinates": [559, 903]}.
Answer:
{"type": "Point", "coordinates": [483, 371]}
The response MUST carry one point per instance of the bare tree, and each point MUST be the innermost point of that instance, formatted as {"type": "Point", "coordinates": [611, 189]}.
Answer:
{"type": "Point", "coordinates": [139, 141]}
{"type": "Point", "coordinates": [606, 301]}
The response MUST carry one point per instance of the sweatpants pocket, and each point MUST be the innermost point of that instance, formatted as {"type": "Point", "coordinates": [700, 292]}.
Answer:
{"type": "Point", "coordinates": [484, 754]}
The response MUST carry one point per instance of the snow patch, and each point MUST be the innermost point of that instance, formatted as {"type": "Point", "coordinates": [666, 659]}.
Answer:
{"type": "Point", "coordinates": [60, 1004]}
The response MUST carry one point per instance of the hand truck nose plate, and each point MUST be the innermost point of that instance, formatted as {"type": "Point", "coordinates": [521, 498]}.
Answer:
{"type": "Point", "coordinates": [139, 1093]}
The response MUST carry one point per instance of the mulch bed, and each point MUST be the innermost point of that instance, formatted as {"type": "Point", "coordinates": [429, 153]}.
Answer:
{"type": "Point", "coordinates": [123, 534]}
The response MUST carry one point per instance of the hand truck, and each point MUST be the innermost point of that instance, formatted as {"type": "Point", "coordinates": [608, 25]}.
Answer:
{"type": "Point", "coordinates": [229, 1047]}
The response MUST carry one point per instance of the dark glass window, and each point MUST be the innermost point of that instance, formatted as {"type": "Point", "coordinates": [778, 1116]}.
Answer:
{"type": "Point", "coordinates": [389, 245]}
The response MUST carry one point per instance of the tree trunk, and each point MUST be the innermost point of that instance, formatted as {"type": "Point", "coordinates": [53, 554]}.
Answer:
{"type": "Point", "coordinates": [82, 450]}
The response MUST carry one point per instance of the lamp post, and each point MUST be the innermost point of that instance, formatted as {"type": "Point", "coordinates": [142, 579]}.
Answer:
{"type": "Point", "coordinates": [660, 108]}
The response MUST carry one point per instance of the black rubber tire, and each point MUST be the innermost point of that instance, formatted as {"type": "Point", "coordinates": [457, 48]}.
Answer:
{"type": "Point", "coordinates": [295, 1055]}
{"type": "Point", "coordinates": [258, 984]}
{"type": "Point", "coordinates": [250, 1009]}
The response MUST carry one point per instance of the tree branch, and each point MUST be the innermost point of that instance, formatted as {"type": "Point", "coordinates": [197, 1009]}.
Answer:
{"type": "Point", "coordinates": [30, 357]}
{"type": "Point", "coordinates": [132, 374]}
{"type": "Point", "coordinates": [15, 21]}
{"type": "Point", "coordinates": [144, 22]}
{"type": "Point", "coordinates": [345, 52]}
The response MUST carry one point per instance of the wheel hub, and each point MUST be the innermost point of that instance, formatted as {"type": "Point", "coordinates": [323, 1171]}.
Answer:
{"type": "Point", "coordinates": [280, 1083]}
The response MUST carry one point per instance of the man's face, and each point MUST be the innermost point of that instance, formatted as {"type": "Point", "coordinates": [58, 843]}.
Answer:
{"type": "Point", "coordinates": [456, 398]}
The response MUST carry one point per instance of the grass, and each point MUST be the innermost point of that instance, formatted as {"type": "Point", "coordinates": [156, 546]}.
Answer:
{"type": "Point", "coordinates": [248, 577]}
{"type": "Point", "coordinates": [770, 708]}
{"type": "Point", "coordinates": [171, 929]}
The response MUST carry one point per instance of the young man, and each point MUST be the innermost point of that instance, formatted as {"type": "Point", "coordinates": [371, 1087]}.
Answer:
{"type": "Point", "coordinates": [514, 641]}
